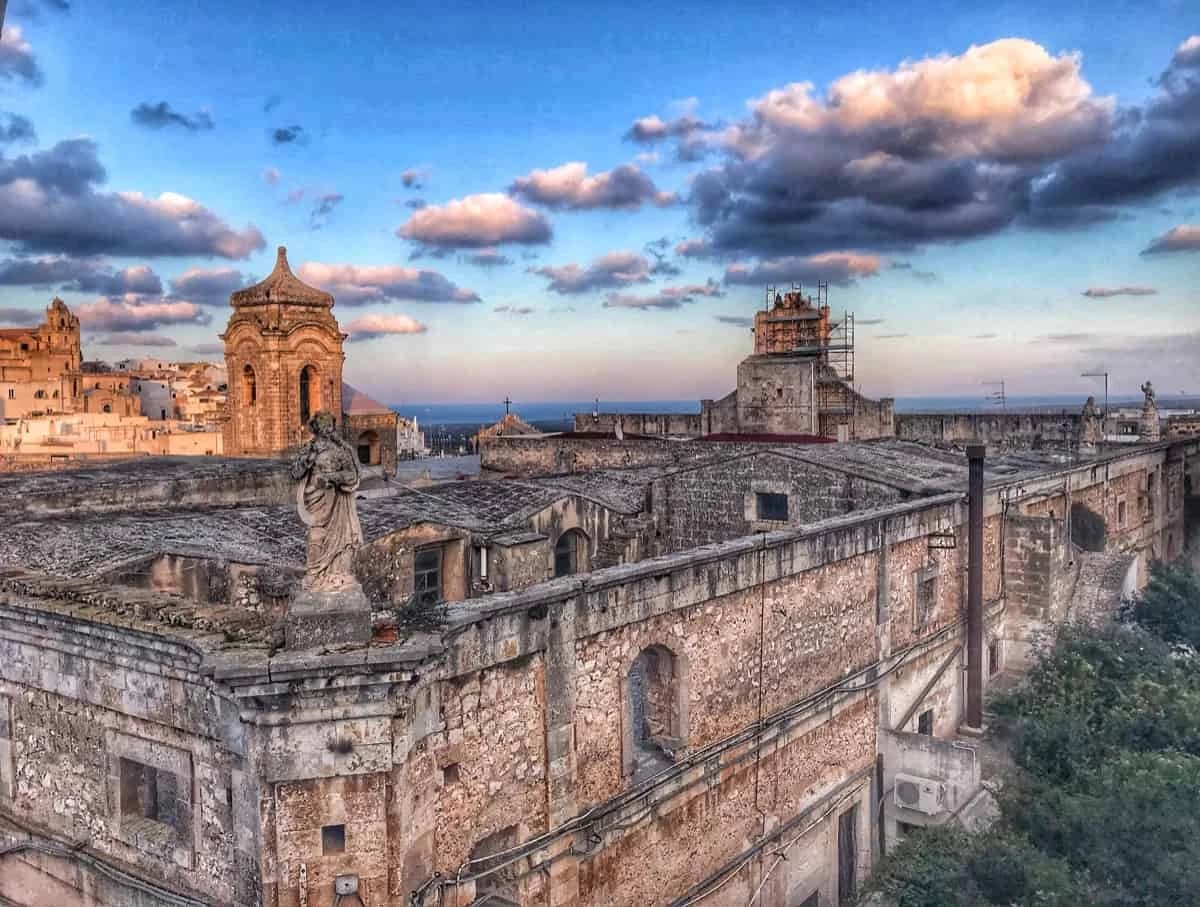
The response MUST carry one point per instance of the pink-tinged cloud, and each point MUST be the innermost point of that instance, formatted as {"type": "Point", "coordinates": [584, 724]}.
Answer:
{"type": "Point", "coordinates": [666, 298]}
{"type": "Point", "coordinates": [1007, 99]}
{"type": "Point", "coordinates": [358, 285]}
{"type": "Point", "coordinates": [837, 268]}
{"type": "Point", "coordinates": [134, 313]}
{"type": "Point", "coordinates": [128, 338]}
{"type": "Point", "coordinates": [1184, 238]}
{"type": "Point", "coordinates": [271, 176]}
{"type": "Point", "coordinates": [17, 62]}
{"type": "Point", "coordinates": [370, 326]}
{"type": "Point", "coordinates": [476, 221]}
{"type": "Point", "coordinates": [569, 186]}
{"type": "Point", "coordinates": [616, 269]}
{"type": "Point", "coordinates": [1106, 292]}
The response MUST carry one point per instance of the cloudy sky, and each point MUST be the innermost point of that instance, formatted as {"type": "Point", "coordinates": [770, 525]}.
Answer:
{"type": "Point", "coordinates": [588, 200]}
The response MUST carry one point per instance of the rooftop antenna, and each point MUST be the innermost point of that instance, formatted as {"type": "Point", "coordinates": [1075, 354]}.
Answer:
{"type": "Point", "coordinates": [997, 396]}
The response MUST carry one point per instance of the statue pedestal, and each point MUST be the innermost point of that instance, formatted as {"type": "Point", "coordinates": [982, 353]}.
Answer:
{"type": "Point", "coordinates": [317, 619]}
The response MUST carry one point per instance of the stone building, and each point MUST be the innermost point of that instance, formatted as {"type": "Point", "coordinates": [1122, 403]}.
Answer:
{"type": "Point", "coordinates": [40, 366]}
{"type": "Point", "coordinates": [371, 428]}
{"type": "Point", "coordinates": [283, 356]}
{"type": "Point", "coordinates": [797, 383]}
{"type": "Point", "coordinates": [711, 716]}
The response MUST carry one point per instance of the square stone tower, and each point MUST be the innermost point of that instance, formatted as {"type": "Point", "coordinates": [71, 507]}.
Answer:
{"type": "Point", "coordinates": [283, 349]}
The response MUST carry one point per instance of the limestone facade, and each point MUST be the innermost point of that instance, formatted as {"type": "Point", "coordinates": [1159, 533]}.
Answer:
{"type": "Point", "coordinates": [40, 366]}
{"type": "Point", "coordinates": [283, 357]}
{"type": "Point", "coordinates": [503, 754]}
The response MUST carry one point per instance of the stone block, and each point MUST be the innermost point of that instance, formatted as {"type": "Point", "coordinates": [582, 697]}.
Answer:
{"type": "Point", "coordinates": [316, 619]}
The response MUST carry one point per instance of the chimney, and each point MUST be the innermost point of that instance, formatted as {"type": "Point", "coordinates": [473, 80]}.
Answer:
{"type": "Point", "coordinates": [975, 457]}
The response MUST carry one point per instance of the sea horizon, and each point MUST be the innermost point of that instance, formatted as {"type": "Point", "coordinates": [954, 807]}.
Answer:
{"type": "Point", "coordinates": [557, 410]}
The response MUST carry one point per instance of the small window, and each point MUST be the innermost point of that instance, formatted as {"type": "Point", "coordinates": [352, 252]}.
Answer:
{"type": "Point", "coordinates": [450, 774]}
{"type": "Point", "coordinates": [907, 828]}
{"type": "Point", "coordinates": [427, 576]}
{"type": "Point", "coordinates": [925, 723]}
{"type": "Point", "coordinates": [925, 603]}
{"type": "Point", "coordinates": [151, 793]}
{"type": "Point", "coordinates": [333, 839]}
{"type": "Point", "coordinates": [12, 393]}
{"type": "Point", "coordinates": [1121, 513]}
{"type": "Point", "coordinates": [993, 657]}
{"type": "Point", "coordinates": [772, 506]}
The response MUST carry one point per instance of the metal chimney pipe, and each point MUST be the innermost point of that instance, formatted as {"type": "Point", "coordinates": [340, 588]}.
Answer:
{"type": "Point", "coordinates": [975, 457]}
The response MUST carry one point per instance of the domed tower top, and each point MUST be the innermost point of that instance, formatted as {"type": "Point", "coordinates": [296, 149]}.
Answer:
{"type": "Point", "coordinates": [280, 286]}
{"type": "Point", "coordinates": [59, 317]}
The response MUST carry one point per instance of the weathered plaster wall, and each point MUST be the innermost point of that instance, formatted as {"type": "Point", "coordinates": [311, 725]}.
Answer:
{"type": "Point", "coordinates": [998, 429]}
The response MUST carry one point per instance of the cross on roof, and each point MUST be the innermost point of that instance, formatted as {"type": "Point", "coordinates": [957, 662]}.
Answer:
{"type": "Point", "coordinates": [507, 402]}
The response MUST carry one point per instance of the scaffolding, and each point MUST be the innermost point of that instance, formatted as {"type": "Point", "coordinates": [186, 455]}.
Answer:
{"type": "Point", "coordinates": [833, 347]}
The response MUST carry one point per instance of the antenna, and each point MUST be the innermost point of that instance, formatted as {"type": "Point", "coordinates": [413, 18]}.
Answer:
{"type": "Point", "coordinates": [997, 396]}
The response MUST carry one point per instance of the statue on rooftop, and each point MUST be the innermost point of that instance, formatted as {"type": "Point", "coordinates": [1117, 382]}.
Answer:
{"type": "Point", "coordinates": [1148, 426]}
{"type": "Point", "coordinates": [1148, 390]}
{"type": "Point", "coordinates": [327, 473]}
{"type": "Point", "coordinates": [1091, 425]}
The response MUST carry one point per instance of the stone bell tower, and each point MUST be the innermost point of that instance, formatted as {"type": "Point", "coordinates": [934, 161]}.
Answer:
{"type": "Point", "coordinates": [283, 349]}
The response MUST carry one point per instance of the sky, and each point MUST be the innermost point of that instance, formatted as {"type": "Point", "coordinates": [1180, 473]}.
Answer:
{"type": "Point", "coordinates": [567, 201]}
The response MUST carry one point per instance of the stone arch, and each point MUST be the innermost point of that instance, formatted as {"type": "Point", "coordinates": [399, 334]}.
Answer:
{"type": "Point", "coordinates": [655, 712]}
{"type": "Point", "coordinates": [571, 552]}
{"type": "Point", "coordinates": [249, 385]}
{"type": "Point", "coordinates": [367, 447]}
{"type": "Point", "coordinates": [309, 392]}
{"type": "Point", "coordinates": [1088, 529]}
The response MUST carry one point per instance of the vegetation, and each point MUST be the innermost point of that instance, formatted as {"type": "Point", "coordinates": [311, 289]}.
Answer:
{"type": "Point", "coordinates": [1104, 805]}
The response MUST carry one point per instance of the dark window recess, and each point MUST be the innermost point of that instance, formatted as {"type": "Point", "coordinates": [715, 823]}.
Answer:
{"type": "Point", "coordinates": [566, 557]}
{"type": "Point", "coordinates": [848, 856]}
{"type": "Point", "coordinates": [427, 576]}
{"type": "Point", "coordinates": [151, 793]}
{"type": "Point", "coordinates": [993, 657]}
{"type": "Point", "coordinates": [925, 723]}
{"type": "Point", "coordinates": [926, 601]}
{"type": "Point", "coordinates": [451, 774]}
{"type": "Point", "coordinates": [364, 454]}
{"type": "Point", "coordinates": [813, 900]}
{"type": "Point", "coordinates": [772, 506]}
{"type": "Point", "coordinates": [333, 839]}
{"type": "Point", "coordinates": [907, 828]}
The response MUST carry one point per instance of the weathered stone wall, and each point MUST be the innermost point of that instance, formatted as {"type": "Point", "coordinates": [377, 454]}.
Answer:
{"type": "Point", "coordinates": [74, 708]}
{"type": "Point", "coordinates": [777, 395]}
{"type": "Point", "coordinates": [679, 425]}
{"type": "Point", "coordinates": [355, 425]}
{"type": "Point", "coordinates": [160, 483]}
{"type": "Point", "coordinates": [998, 429]}
{"type": "Point", "coordinates": [385, 567]}
{"type": "Point", "coordinates": [556, 454]}
{"type": "Point", "coordinates": [716, 502]}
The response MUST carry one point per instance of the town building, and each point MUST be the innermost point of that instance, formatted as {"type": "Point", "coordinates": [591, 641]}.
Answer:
{"type": "Point", "coordinates": [284, 356]}
{"type": "Point", "coordinates": [40, 366]}
{"type": "Point", "coordinates": [713, 680]}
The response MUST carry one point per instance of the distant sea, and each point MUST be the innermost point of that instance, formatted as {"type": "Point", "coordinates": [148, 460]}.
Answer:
{"type": "Point", "coordinates": [476, 414]}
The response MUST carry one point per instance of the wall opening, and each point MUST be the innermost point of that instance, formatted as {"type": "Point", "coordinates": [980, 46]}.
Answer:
{"type": "Point", "coordinates": [310, 393]}
{"type": "Point", "coordinates": [570, 553]}
{"type": "Point", "coordinates": [427, 576]}
{"type": "Point", "coordinates": [771, 506]}
{"type": "Point", "coordinates": [655, 710]}
{"type": "Point", "coordinates": [333, 839]}
{"type": "Point", "coordinates": [1088, 530]}
{"type": "Point", "coordinates": [368, 448]}
{"type": "Point", "coordinates": [150, 794]}
{"type": "Point", "coordinates": [249, 386]}
{"type": "Point", "coordinates": [498, 887]}
{"type": "Point", "coordinates": [848, 855]}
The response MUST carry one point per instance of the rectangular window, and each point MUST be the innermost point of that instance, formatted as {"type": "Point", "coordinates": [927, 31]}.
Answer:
{"type": "Point", "coordinates": [772, 506]}
{"type": "Point", "coordinates": [925, 596]}
{"type": "Point", "coordinates": [427, 576]}
{"type": "Point", "coordinates": [151, 793]}
{"type": "Point", "coordinates": [993, 657]}
{"type": "Point", "coordinates": [333, 839]}
{"type": "Point", "coordinates": [925, 723]}
{"type": "Point", "coordinates": [11, 393]}
{"type": "Point", "coordinates": [1120, 513]}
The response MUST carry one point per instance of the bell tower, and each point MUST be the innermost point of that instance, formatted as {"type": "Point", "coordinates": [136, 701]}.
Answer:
{"type": "Point", "coordinates": [283, 350]}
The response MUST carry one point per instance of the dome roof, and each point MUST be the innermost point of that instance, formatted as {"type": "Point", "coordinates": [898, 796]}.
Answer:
{"type": "Point", "coordinates": [281, 285]}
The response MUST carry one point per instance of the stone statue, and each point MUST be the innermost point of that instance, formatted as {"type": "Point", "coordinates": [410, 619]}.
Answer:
{"type": "Point", "coordinates": [1091, 426]}
{"type": "Point", "coordinates": [1148, 427]}
{"type": "Point", "coordinates": [1148, 390]}
{"type": "Point", "coordinates": [327, 472]}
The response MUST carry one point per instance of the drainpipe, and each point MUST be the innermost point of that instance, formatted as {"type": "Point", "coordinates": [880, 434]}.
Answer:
{"type": "Point", "coordinates": [975, 457]}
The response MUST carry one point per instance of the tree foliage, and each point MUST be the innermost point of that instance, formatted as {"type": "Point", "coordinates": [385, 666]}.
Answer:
{"type": "Point", "coordinates": [1104, 805]}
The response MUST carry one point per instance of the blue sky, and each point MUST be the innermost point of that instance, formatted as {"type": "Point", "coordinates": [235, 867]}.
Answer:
{"type": "Point", "coordinates": [963, 201]}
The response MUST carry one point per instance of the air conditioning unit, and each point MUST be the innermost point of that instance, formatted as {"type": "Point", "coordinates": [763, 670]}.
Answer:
{"type": "Point", "coordinates": [922, 794]}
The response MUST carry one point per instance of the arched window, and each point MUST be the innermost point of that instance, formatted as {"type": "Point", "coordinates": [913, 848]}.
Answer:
{"type": "Point", "coordinates": [249, 386]}
{"type": "Point", "coordinates": [570, 553]}
{"type": "Point", "coordinates": [655, 712]}
{"type": "Point", "coordinates": [39, 394]}
{"type": "Point", "coordinates": [106, 408]}
{"type": "Point", "coordinates": [368, 448]}
{"type": "Point", "coordinates": [310, 393]}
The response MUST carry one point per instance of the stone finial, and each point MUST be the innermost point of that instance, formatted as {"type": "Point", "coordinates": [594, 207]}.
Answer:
{"type": "Point", "coordinates": [281, 285]}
